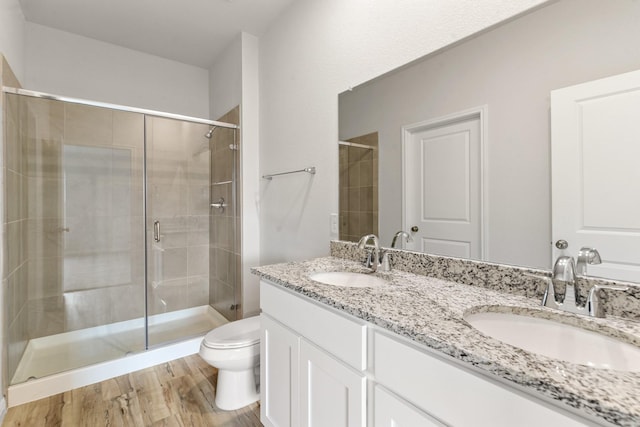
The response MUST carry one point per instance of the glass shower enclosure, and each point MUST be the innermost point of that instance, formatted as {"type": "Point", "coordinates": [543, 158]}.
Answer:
{"type": "Point", "coordinates": [120, 231]}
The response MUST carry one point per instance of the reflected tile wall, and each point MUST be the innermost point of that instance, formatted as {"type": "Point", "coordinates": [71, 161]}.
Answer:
{"type": "Point", "coordinates": [358, 188]}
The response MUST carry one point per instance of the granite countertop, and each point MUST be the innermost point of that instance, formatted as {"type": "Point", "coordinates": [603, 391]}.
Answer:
{"type": "Point", "coordinates": [430, 311]}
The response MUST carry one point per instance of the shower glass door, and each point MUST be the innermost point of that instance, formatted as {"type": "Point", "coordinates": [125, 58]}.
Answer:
{"type": "Point", "coordinates": [76, 235]}
{"type": "Point", "coordinates": [224, 294]}
{"type": "Point", "coordinates": [120, 232]}
{"type": "Point", "coordinates": [179, 252]}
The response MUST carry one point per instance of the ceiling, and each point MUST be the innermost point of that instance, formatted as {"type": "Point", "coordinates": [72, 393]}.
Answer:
{"type": "Point", "coordinates": [188, 31]}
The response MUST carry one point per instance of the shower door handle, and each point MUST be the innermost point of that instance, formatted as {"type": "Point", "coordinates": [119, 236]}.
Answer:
{"type": "Point", "coordinates": [156, 231]}
{"type": "Point", "coordinates": [220, 204]}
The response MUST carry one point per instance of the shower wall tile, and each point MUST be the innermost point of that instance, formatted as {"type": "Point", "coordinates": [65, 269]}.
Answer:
{"type": "Point", "coordinates": [12, 160]}
{"type": "Point", "coordinates": [46, 316]}
{"type": "Point", "coordinates": [128, 129]}
{"type": "Point", "coordinates": [198, 230]}
{"type": "Point", "coordinates": [16, 195]}
{"type": "Point", "coordinates": [15, 245]}
{"type": "Point", "coordinates": [120, 233]}
{"type": "Point", "coordinates": [85, 309]}
{"type": "Point", "coordinates": [168, 200]}
{"type": "Point", "coordinates": [223, 298]}
{"type": "Point", "coordinates": [174, 263]}
{"type": "Point", "coordinates": [198, 291]}
{"type": "Point", "coordinates": [7, 77]}
{"type": "Point", "coordinates": [42, 119]}
{"type": "Point", "coordinates": [198, 260]}
{"type": "Point", "coordinates": [198, 198]}
{"type": "Point", "coordinates": [169, 295]}
{"type": "Point", "coordinates": [358, 188]}
{"type": "Point", "coordinates": [127, 302]}
{"type": "Point", "coordinates": [10, 287]}
{"type": "Point", "coordinates": [87, 125]}
{"type": "Point", "coordinates": [44, 238]}
{"type": "Point", "coordinates": [44, 158]}
{"type": "Point", "coordinates": [173, 231]}
{"type": "Point", "coordinates": [221, 263]}
{"type": "Point", "coordinates": [45, 277]}
{"type": "Point", "coordinates": [44, 198]}
{"type": "Point", "coordinates": [17, 337]}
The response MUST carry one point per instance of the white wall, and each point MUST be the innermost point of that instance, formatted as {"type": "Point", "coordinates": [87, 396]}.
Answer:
{"type": "Point", "coordinates": [249, 120]}
{"type": "Point", "coordinates": [12, 28]}
{"type": "Point", "coordinates": [314, 51]}
{"type": "Point", "coordinates": [225, 80]}
{"type": "Point", "coordinates": [514, 83]}
{"type": "Point", "coordinates": [62, 63]}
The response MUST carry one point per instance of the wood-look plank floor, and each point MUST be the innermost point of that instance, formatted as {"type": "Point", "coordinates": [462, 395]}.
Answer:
{"type": "Point", "coordinates": [179, 393]}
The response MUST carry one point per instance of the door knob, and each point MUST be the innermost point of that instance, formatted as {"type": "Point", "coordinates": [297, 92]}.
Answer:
{"type": "Point", "coordinates": [562, 244]}
{"type": "Point", "coordinates": [415, 229]}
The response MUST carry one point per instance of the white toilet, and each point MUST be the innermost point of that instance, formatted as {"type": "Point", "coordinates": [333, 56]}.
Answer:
{"type": "Point", "coordinates": [234, 348]}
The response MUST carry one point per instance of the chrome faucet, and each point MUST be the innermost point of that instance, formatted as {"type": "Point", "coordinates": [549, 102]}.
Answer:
{"type": "Point", "coordinates": [586, 256]}
{"type": "Point", "coordinates": [401, 234]}
{"type": "Point", "coordinates": [564, 271]}
{"type": "Point", "coordinates": [376, 258]}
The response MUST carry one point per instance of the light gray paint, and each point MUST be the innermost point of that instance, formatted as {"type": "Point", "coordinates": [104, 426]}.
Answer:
{"type": "Point", "coordinates": [193, 32]}
{"type": "Point", "coordinates": [511, 69]}
{"type": "Point", "coordinates": [12, 25]}
{"type": "Point", "coordinates": [66, 64]}
{"type": "Point", "coordinates": [317, 49]}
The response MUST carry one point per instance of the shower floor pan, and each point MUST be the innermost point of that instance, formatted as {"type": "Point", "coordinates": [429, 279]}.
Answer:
{"type": "Point", "coordinates": [64, 361]}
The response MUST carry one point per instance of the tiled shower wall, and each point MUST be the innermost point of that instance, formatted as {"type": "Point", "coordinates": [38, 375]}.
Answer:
{"type": "Point", "coordinates": [358, 182]}
{"type": "Point", "coordinates": [73, 223]}
{"type": "Point", "coordinates": [225, 265]}
{"type": "Point", "coordinates": [14, 226]}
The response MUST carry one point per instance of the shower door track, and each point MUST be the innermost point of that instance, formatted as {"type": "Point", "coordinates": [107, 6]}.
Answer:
{"type": "Point", "coordinates": [35, 94]}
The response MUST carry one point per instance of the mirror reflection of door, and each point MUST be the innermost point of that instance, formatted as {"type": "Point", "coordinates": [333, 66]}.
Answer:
{"type": "Point", "coordinates": [595, 140]}
{"type": "Point", "coordinates": [442, 187]}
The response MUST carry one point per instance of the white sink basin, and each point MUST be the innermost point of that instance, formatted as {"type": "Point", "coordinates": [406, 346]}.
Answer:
{"type": "Point", "coordinates": [348, 279]}
{"type": "Point", "coordinates": [558, 341]}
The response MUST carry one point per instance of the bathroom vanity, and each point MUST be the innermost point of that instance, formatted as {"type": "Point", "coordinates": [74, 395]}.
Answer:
{"type": "Point", "coordinates": [401, 354]}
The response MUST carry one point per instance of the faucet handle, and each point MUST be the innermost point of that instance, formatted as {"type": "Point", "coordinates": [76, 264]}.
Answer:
{"type": "Point", "coordinates": [370, 259]}
{"type": "Point", "coordinates": [593, 302]}
{"type": "Point", "coordinates": [549, 297]}
{"type": "Point", "coordinates": [385, 261]}
{"type": "Point", "coordinates": [587, 255]}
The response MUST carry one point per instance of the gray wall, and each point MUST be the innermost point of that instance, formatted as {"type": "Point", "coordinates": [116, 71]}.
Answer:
{"type": "Point", "coordinates": [511, 69]}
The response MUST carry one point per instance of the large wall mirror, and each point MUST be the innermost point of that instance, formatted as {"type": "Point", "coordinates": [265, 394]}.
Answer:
{"type": "Point", "coordinates": [480, 110]}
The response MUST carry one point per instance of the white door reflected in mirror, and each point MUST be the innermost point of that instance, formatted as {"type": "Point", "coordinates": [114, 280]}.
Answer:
{"type": "Point", "coordinates": [442, 185]}
{"type": "Point", "coordinates": [595, 175]}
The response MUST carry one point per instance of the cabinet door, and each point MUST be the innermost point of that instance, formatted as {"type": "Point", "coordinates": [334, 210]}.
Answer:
{"type": "Point", "coordinates": [390, 411]}
{"type": "Point", "coordinates": [331, 393]}
{"type": "Point", "coordinates": [279, 394]}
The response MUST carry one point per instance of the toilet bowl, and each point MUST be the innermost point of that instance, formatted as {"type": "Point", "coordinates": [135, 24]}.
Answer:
{"type": "Point", "coordinates": [234, 349]}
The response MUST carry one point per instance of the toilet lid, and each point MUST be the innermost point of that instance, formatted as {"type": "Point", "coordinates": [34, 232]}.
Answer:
{"type": "Point", "coordinates": [240, 333]}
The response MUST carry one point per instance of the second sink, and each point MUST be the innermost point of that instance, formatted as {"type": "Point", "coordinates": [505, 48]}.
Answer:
{"type": "Point", "coordinates": [347, 279]}
{"type": "Point", "coordinates": [557, 340]}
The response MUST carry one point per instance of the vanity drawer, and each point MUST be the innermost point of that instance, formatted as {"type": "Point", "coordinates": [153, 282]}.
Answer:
{"type": "Point", "coordinates": [341, 336]}
{"type": "Point", "coordinates": [455, 395]}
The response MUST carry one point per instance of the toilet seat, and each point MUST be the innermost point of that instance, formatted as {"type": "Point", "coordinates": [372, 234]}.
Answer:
{"type": "Point", "coordinates": [237, 334]}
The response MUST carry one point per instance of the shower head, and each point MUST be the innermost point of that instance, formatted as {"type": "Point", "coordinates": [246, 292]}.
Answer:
{"type": "Point", "coordinates": [208, 134]}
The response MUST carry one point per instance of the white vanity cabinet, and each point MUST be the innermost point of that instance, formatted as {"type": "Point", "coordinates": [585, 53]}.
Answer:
{"type": "Point", "coordinates": [312, 369]}
{"type": "Point", "coordinates": [319, 369]}
{"type": "Point", "coordinates": [444, 393]}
